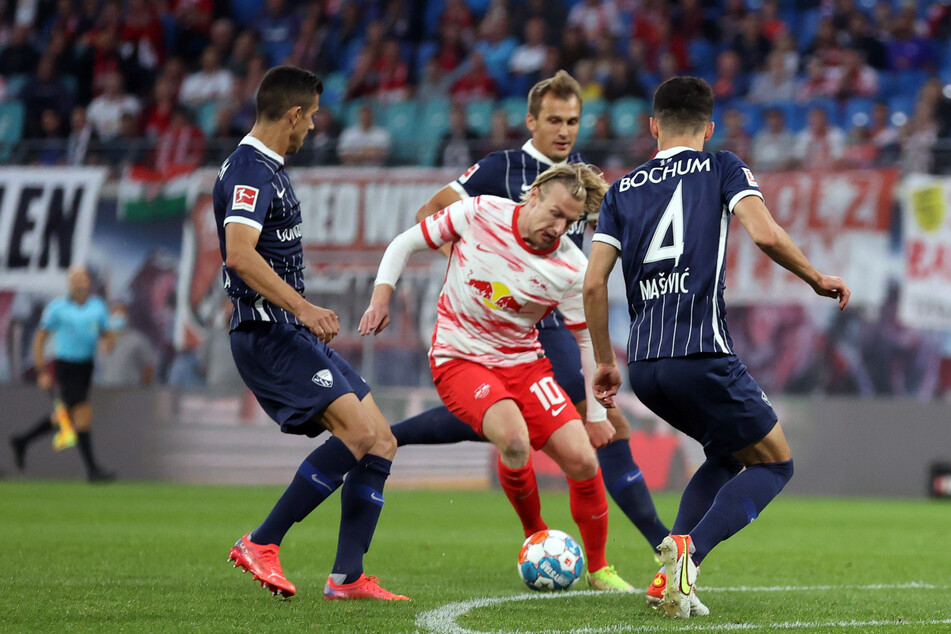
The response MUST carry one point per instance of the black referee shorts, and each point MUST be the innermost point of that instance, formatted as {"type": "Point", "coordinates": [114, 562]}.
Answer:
{"type": "Point", "coordinates": [73, 380]}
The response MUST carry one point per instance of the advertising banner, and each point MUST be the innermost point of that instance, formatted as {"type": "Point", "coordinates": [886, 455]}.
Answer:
{"type": "Point", "coordinates": [840, 220]}
{"type": "Point", "coordinates": [926, 296]}
{"type": "Point", "coordinates": [46, 221]}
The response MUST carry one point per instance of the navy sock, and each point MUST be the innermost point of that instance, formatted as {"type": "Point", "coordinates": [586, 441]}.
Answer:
{"type": "Point", "coordinates": [361, 501]}
{"type": "Point", "coordinates": [437, 426]}
{"type": "Point", "coordinates": [317, 477]}
{"type": "Point", "coordinates": [625, 482]}
{"type": "Point", "coordinates": [703, 487]}
{"type": "Point", "coordinates": [738, 503]}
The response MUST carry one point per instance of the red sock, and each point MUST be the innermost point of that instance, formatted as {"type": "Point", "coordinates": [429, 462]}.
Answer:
{"type": "Point", "coordinates": [522, 491]}
{"type": "Point", "coordinates": [589, 510]}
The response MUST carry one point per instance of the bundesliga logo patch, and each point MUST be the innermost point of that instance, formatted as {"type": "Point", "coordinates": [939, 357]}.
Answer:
{"type": "Point", "coordinates": [245, 198]}
{"type": "Point", "coordinates": [749, 177]}
{"type": "Point", "coordinates": [469, 172]}
{"type": "Point", "coordinates": [323, 378]}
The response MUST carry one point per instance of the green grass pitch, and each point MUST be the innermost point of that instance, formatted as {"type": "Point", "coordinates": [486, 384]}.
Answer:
{"type": "Point", "coordinates": [136, 557]}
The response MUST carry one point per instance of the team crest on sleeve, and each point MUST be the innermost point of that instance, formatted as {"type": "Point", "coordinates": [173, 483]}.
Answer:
{"type": "Point", "coordinates": [245, 198]}
{"type": "Point", "coordinates": [323, 378]}
{"type": "Point", "coordinates": [468, 173]}
{"type": "Point", "coordinates": [749, 177]}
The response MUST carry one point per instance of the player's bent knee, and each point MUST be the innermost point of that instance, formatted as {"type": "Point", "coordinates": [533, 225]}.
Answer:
{"type": "Point", "coordinates": [385, 445]}
{"type": "Point", "coordinates": [515, 450]}
{"type": "Point", "coordinates": [580, 465]}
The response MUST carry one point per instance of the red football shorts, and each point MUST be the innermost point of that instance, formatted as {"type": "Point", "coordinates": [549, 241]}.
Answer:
{"type": "Point", "coordinates": [469, 389]}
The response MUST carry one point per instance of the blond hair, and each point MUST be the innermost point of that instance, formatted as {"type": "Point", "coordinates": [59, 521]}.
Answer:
{"type": "Point", "coordinates": [583, 182]}
{"type": "Point", "coordinates": [562, 86]}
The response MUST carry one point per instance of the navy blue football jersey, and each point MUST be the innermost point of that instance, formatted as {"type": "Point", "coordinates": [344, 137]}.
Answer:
{"type": "Point", "coordinates": [253, 189]}
{"type": "Point", "coordinates": [670, 218]}
{"type": "Point", "coordinates": [509, 174]}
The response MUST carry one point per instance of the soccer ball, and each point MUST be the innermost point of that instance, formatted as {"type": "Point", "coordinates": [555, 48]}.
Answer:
{"type": "Point", "coordinates": [550, 560]}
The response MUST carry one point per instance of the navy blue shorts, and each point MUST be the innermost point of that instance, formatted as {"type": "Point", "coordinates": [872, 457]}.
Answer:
{"type": "Point", "coordinates": [712, 399]}
{"type": "Point", "coordinates": [294, 376]}
{"type": "Point", "coordinates": [562, 350]}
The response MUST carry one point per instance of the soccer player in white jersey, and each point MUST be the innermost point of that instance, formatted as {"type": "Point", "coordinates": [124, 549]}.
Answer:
{"type": "Point", "coordinates": [508, 268]}
{"type": "Point", "coordinates": [554, 112]}
{"type": "Point", "coordinates": [668, 222]}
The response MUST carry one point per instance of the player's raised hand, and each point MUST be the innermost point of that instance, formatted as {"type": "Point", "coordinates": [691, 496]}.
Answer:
{"type": "Point", "coordinates": [832, 286]}
{"type": "Point", "coordinates": [606, 382]}
{"type": "Point", "coordinates": [375, 319]}
{"type": "Point", "coordinates": [320, 321]}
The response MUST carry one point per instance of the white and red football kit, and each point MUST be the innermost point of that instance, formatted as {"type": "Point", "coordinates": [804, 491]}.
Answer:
{"type": "Point", "coordinates": [497, 288]}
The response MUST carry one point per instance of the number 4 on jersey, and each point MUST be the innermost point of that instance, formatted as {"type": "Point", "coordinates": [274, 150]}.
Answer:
{"type": "Point", "coordinates": [673, 218]}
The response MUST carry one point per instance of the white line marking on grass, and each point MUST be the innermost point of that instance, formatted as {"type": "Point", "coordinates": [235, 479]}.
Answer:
{"type": "Point", "coordinates": [443, 620]}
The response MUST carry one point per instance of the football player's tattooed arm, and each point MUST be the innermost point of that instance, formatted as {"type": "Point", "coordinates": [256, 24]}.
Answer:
{"type": "Point", "coordinates": [243, 259]}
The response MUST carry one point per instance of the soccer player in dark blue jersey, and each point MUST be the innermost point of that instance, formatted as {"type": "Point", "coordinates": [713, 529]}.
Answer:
{"type": "Point", "coordinates": [279, 342]}
{"type": "Point", "coordinates": [668, 221]}
{"type": "Point", "coordinates": [554, 113]}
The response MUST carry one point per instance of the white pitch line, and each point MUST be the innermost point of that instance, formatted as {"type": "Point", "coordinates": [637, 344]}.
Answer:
{"type": "Point", "coordinates": [443, 620]}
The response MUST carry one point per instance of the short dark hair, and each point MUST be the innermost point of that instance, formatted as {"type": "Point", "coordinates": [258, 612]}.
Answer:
{"type": "Point", "coordinates": [683, 105]}
{"type": "Point", "coordinates": [284, 87]}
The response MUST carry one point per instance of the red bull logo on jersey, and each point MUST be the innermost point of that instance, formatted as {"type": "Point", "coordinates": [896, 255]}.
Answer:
{"type": "Point", "coordinates": [673, 284]}
{"type": "Point", "coordinates": [496, 295]}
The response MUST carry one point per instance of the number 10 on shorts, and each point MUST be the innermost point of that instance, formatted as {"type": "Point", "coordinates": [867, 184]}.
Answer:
{"type": "Point", "coordinates": [550, 395]}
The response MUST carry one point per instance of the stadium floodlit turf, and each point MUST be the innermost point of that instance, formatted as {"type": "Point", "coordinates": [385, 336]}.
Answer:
{"type": "Point", "coordinates": [138, 557]}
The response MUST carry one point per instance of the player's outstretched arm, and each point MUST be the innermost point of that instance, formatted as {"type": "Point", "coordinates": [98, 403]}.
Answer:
{"type": "Point", "coordinates": [607, 376]}
{"type": "Point", "coordinates": [776, 243]}
{"type": "Point", "coordinates": [440, 200]}
{"type": "Point", "coordinates": [397, 254]}
{"type": "Point", "coordinates": [243, 259]}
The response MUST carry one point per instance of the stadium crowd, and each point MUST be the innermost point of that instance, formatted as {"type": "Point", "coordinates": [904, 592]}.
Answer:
{"type": "Point", "coordinates": [171, 82]}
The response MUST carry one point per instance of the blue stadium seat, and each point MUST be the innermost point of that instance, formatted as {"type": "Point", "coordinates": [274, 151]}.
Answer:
{"type": "Point", "coordinates": [351, 112]}
{"type": "Point", "coordinates": [902, 103]}
{"type": "Point", "coordinates": [625, 114]}
{"type": "Point", "coordinates": [434, 9]}
{"type": "Point", "coordinates": [11, 127]}
{"type": "Point", "coordinates": [752, 116]}
{"type": "Point", "coordinates": [206, 116]}
{"type": "Point", "coordinates": [15, 83]}
{"type": "Point", "coordinates": [794, 114]}
{"type": "Point", "coordinates": [805, 30]}
{"type": "Point", "coordinates": [515, 109]}
{"type": "Point", "coordinates": [479, 115]}
{"type": "Point", "coordinates": [401, 121]}
{"type": "Point", "coordinates": [589, 117]}
{"type": "Point", "coordinates": [855, 107]}
{"type": "Point", "coordinates": [432, 123]}
{"type": "Point", "coordinates": [335, 88]}
{"type": "Point", "coordinates": [909, 82]}
{"type": "Point", "coordinates": [701, 54]}
{"type": "Point", "coordinates": [829, 105]}
{"type": "Point", "coordinates": [425, 52]}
